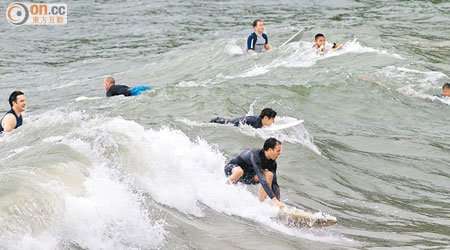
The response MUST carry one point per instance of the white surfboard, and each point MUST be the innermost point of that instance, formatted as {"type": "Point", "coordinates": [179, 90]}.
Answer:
{"type": "Point", "coordinates": [295, 37]}
{"type": "Point", "coordinates": [284, 126]}
{"type": "Point", "coordinates": [303, 219]}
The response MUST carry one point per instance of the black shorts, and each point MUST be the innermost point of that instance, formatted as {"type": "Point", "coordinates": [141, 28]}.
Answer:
{"type": "Point", "coordinates": [247, 178]}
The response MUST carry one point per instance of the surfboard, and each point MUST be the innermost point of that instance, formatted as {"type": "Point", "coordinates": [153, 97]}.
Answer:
{"type": "Point", "coordinates": [303, 219]}
{"type": "Point", "coordinates": [338, 46]}
{"type": "Point", "coordinates": [295, 37]}
{"type": "Point", "coordinates": [284, 126]}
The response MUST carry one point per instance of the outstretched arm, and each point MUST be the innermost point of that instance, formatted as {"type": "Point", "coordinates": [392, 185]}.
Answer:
{"type": "Point", "coordinates": [237, 121]}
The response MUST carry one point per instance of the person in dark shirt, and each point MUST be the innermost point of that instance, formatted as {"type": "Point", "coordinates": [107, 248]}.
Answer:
{"type": "Point", "coordinates": [13, 118]}
{"type": "Point", "coordinates": [265, 118]}
{"type": "Point", "coordinates": [112, 89]}
{"type": "Point", "coordinates": [445, 91]}
{"type": "Point", "coordinates": [254, 166]}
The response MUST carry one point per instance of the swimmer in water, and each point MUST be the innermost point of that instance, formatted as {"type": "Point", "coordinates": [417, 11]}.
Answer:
{"type": "Point", "coordinates": [13, 118]}
{"type": "Point", "coordinates": [257, 41]}
{"type": "Point", "coordinates": [445, 91]}
{"type": "Point", "coordinates": [321, 46]}
{"type": "Point", "coordinates": [320, 43]}
{"type": "Point", "coordinates": [112, 89]}
{"type": "Point", "coordinates": [265, 118]}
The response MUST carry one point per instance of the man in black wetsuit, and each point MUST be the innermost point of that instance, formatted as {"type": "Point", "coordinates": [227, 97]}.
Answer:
{"type": "Point", "coordinates": [254, 166]}
{"type": "Point", "coordinates": [13, 118]}
{"type": "Point", "coordinates": [445, 91]}
{"type": "Point", "coordinates": [112, 89]}
{"type": "Point", "coordinates": [265, 118]}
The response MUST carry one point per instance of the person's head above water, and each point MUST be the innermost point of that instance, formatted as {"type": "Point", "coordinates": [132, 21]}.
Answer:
{"type": "Point", "coordinates": [446, 89]}
{"type": "Point", "coordinates": [18, 101]}
{"type": "Point", "coordinates": [267, 116]}
{"type": "Point", "coordinates": [258, 26]}
{"type": "Point", "coordinates": [108, 82]}
{"type": "Point", "coordinates": [272, 148]}
{"type": "Point", "coordinates": [319, 40]}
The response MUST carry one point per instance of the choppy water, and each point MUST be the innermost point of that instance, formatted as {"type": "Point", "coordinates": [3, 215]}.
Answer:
{"type": "Point", "coordinates": [146, 172]}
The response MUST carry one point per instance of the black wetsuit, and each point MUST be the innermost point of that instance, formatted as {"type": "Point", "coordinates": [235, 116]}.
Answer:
{"type": "Point", "coordinates": [118, 90]}
{"type": "Point", "coordinates": [439, 95]}
{"type": "Point", "coordinates": [254, 121]}
{"type": "Point", "coordinates": [254, 162]}
{"type": "Point", "coordinates": [18, 120]}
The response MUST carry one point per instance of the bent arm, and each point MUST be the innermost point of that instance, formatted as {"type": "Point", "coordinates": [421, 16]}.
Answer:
{"type": "Point", "coordinates": [9, 123]}
{"type": "Point", "coordinates": [262, 177]}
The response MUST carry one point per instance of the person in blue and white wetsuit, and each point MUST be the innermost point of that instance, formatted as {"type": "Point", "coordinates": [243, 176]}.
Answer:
{"type": "Point", "coordinates": [13, 118]}
{"type": "Point", "coordinates": [258, 39]}
{"type": "Point", "coordinates": [254, 166]}
{"type": "Point", "coordinates": [265, 118]}
{"type": "Point", "coordinates": [112, 89]}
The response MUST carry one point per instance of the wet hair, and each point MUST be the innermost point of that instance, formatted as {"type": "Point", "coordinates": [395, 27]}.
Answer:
{"type": "Point", "coordinates": [271, 143]}
{"type": "Point", "coordinates": [446, 86]}
{"type": "Point", "coordinates": [256, 22]}
{"type": "Point", "coordinates": [319, 35]}
{"type": "Point", "coordinates": [109, 79]}
{"type": "Point", "coordinates": [270, 113]}
{"type": "Point", "coordinates": [13, 97]}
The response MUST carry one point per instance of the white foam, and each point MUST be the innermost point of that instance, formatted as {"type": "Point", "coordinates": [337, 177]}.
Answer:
{"type": "Point", "coordinates": [190, 84]}
{"type": "Point", "coordinates": [110, 216]}
{"type": "Point", "coordinates": [188, 176]}
{"type": "Point", "coordinates": [251, 108]}
{"type": "Point", "coordinates": [85, 98]}
{"type": "Point", "coordinates": [425, 80]}
{"type": "Point", "coordinates": [355, 47]}
{"type": "Point", "coordinates": [295, 134]}
{"type": "Point", "coordinates": [123, 160]}
{"type": "Point", "coordinates": [101, 208]}
{"type": "Point", "coordinates": [16, 151]}
{"type": "Point", "coordinates": [429, 75]}
{"type": "Point", "coordinates": [409, 91]}
{"type": "Point", "coordinates": [44, 241]}
{"type": "Point", "coordinates": [302, 55]}
{"type": "Point", "coordinates": [233, 49]}
{"type": "Point", "coordinates": [57, 116]}
{"type": "Point", "coordinates": [415, 83]}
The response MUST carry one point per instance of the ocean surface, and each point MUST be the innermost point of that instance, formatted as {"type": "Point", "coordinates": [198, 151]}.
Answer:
{"type": "Point", "coordinates": [146, 172]}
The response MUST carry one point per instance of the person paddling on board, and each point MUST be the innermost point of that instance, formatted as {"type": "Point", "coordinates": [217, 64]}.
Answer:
{"type": "Point", "coordinates": [254, 166]}
{"type": "Point", "coordinates": [321, 45]}
{"type": "Point", "coordinates": [13, 118]}
{"type": "Point", "coordinates": [112, 89]}
{"type": "Point", "coordinates": [265, 118]}
{"type": "Point", "coordinates": [258, 39]}
{"type": "Point", "coordinates": [445, 91]}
